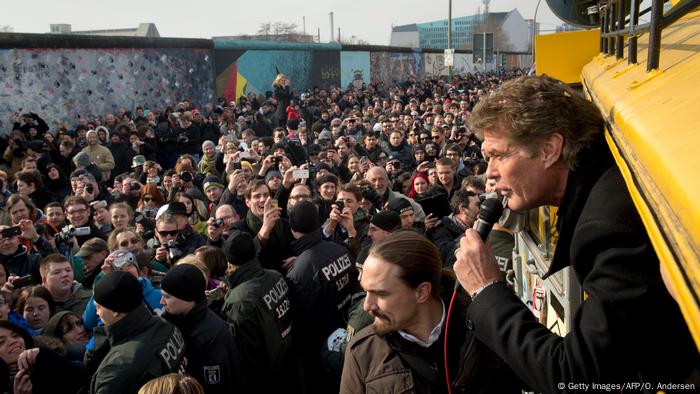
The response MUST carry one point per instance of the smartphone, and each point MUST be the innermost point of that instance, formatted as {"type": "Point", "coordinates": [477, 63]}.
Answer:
{"type": "Point", "coordinates": [244, 155]}
{"type": "Point", "coordinates": [237, 165]}
{"type": "Point", "coordinates": [274, 203]}
{"type": "Point", "coordinates": [26, 280]}
{"type": "Point", "coordinates": [300, 174]}
{"type": "Point", "coordinates": [11, 232]}
{"type": "Point", "coordinates": [340, 204]}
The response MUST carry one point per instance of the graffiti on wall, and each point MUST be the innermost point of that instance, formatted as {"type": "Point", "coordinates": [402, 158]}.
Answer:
{"type": "Point", "coordinates": [62, 84]}
{"type": "Point", "coordinates": [434, 64]}
{"type": "Point", "coordinates": [239, 72]}
{"type": "Point", "coordinates": [355, 69]}
{"type": "Point", "coordinates": [388, 67]}
{"type": "Point", "coordinates": [463, 64]}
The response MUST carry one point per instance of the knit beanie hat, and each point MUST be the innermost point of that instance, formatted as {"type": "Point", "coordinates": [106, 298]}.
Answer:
{"type": "Point", "coordinates": [211, 181]}
{"type": "Point", "coordinates": [184, 281]}
{"type": "Point", "coordinates": [119, 291]}
{"type": "Point", "coordinates": [82, 159]}
{"type": "Point", "coordinates": [400, 205]}
{"type": "Point", "coordinates": [272, 173]}
{"type": "Point", "coordinates": [386, 220]}
{"type": "Point", "coordinates": [304, 217]}
{"type": "Point", "coordinates": [239, 248]}
{"type": "Point", "coordinates": [208, 143]}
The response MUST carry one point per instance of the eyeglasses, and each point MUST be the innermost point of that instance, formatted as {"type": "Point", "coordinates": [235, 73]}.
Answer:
{"type": "Point", "coordinates": [148, 198]}
{"type": "Point", "coordinates": [435, 137]}
{"type": "Point", "coordinates": [126, 242]}
{"type": "Point", "coordinates": [300, 197]}
{"type": "Point", "coordinates": [83, 210]}
{"type": "Point", "coordinates": [172, 233]}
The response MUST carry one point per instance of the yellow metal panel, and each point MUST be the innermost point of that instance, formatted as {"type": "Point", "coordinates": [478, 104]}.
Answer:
{"type": "Point", "coordinates": [563, 55]}
{"type": "Point", "coordinates": [654, 133]}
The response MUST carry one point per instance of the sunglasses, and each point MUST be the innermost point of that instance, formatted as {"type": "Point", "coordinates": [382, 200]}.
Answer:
{"type": "Point", "coordinates": [148, 199]}
{"type": "Point", "coordinates": [126, 242]}
{"type": "Point", "coordinates": [172, 233]}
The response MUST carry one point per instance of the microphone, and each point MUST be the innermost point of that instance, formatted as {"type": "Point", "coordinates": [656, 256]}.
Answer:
{"type": "Point", "coordinates": [489, 213]}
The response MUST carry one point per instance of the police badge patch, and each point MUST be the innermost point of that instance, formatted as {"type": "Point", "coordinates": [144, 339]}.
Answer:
{"type": "Point", "coordinates": [212, 374]}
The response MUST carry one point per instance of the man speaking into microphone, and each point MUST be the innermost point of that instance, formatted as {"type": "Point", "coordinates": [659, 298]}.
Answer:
{"type": "Point", "coordinates": [545, 145]}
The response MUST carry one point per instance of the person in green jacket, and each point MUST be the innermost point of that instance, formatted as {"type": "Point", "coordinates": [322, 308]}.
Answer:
{"type": "Point", "coordinates": [141, 346]}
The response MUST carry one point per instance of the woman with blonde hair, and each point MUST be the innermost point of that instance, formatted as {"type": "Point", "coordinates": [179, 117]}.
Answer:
{"type": "Point", "coordinates": [172, 384]}
{"type": "Point", "coordinates": [283, 95]}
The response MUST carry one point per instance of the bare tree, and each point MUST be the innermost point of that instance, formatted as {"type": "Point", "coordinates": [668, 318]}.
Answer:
{"type": "Point", "coordinates": [265, 29]}
{"type": "Point", "coordinates": [7, 29]}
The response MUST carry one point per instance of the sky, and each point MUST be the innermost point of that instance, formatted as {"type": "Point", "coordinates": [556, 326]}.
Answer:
{"type": "Point", "coordinates": [369, 20]}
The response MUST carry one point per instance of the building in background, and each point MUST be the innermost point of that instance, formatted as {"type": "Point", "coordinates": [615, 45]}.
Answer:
{"type": "Point", "coordinates": [511, 32]}
{"type": "Point", "coordinates": [143, 30]}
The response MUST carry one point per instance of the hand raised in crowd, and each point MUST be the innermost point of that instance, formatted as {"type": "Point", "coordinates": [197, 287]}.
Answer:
{"type": "Point", "coordinates": [8, 290]}
{"type": "Point", "coordinates": [265, 165]}
{"type": "Point", "coordinates": [288, 178]}
{"type": "Point", "coordinates": [423, 167]}
{"type": "Point", "coordinates": [28, 230]}
{"type": "Point", "coordinates": [177, 182]}
{"type": "Point", "coordinates": [107, 266]}
{"type": "Point", "coordinates": [23, 382]}
{"type": "Point", "coordinates": [270, 217]}
{"type": "Point", "coordinates": [162, 255]}
{"type": "Point", "coordinates": [214, 232]}
{"type": "Point", "coordinates": [235, 178]}
{"type": "Point", "coordinates": [27, 358]}
{"type": "Point", "coordinates": [430, 221]}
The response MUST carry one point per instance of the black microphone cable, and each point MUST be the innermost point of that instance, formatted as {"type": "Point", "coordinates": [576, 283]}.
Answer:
{"type": "Point", "coordinates": [490, 212]}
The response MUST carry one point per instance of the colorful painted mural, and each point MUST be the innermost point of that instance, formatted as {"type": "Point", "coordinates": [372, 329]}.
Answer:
{"type": "Point", "coordinates": [62, 84]}
{"type": "Point", "coordinates": [391, 67]}
{"type": "Point", "coordinates": [355, 69]}
{"type": "Point", "coordinates": [240, 71]}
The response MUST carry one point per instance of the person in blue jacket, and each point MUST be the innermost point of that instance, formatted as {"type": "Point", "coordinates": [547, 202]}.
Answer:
{"type": "Point", "coordinates": [123, 260]}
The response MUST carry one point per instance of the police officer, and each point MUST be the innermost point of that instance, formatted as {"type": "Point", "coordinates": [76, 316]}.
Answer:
{"type": "Point", "coordinates": [257, 309]}
{"type": "Point", "coordinates": [323, 280]}
{"type": "Point", "coordinates": [212, 355]}
{"type": "Point", "coordinates": [142, 346]}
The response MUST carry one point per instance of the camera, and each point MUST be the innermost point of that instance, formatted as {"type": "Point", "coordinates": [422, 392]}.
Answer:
{"type": "Point", "coordinates": [276, 160]}
{"type": "Point", "coordinates": [24, 281]}
{"type": "Point", "coordinates": [185, 176]}
{"type": "Point", "coordinates": [89, 188]}
{"type": "Point", "coordinates": [218, 223]}
{"type": "Point", "coordinates": [340, 204]}
{"type": "Point", "coordinates": [397, 165]}
{"type": "Point", "coordinates": [11, 232]}
{"type": "Point", "coordinates": [133, 186]}
{"type": "Point", "coordinates": [124, 257]}
{"type": "Point", "coordinates": [173, 247]}
{"type": "Point", "coordinates": [68, 232]}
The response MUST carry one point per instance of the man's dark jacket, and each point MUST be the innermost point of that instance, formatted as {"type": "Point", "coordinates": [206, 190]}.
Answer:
{"type": "Point", "coordinates": [258, 311]}
{"type": "Point", "coordinates": [278, 246]}
{"type": "Point", "coordinates": [323, 280]}
{"type": "Point", "coordinates": [22, 263]}
{"type": "Point", "coordinates": [628, 329]}
{"type": "Point", "coordinates": [212, 354]}
{"type": "Point", "coordinates": [142, 347]}
{"type": "Point", "coordinates": [446, 235]}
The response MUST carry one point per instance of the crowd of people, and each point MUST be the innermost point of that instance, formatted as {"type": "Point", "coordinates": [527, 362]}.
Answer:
{"type": "Point", "coordinates": [278, 243]}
